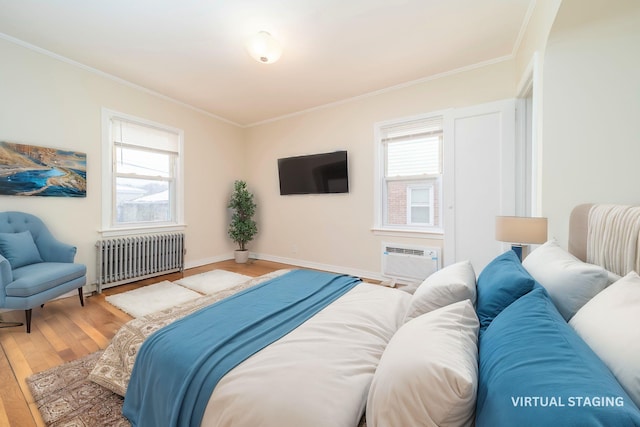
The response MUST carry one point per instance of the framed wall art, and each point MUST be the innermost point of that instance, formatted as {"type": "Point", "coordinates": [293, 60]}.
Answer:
{"type": "Point", "coordinates": [29, 170]}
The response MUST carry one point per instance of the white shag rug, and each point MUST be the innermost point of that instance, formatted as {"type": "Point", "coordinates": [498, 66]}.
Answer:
{"type": "Point", "coordinates": [212, 281]}
{"type": "Point", "coordinates": [149, 299]}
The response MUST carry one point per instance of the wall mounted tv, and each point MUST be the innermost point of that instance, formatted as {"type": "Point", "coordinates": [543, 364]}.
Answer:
{"type": "Point", "coordinates": [314, 174]}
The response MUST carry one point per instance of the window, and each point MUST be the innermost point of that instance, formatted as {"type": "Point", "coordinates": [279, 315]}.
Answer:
{"type": "Point", "coordinates": [143, 175]}
{"type": "Point", "coordinates": [410, 176]}
{"type": "Point", "coordinates": [420, 205]}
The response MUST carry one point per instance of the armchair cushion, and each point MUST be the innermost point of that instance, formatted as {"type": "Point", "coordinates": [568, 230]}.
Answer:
{"type": "Point", "coordinates": [35, 278]}
{"type": "Point", "coordinates": [19, 249]}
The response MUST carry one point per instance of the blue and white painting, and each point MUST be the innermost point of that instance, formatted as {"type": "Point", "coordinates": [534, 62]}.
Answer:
{"type": "Point", "coordinates": [29, 170]}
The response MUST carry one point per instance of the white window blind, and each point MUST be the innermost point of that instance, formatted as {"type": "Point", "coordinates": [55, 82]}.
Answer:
{"type": "Point", "coordinates": [126, 132]}
{"type": "Point", "coordinates": [413, 148]}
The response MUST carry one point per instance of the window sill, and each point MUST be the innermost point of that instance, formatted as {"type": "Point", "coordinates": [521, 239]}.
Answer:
{"type": "Point", "coordinates": [130, 231]}
{"type": "Point", "coordinates": [435, 234]}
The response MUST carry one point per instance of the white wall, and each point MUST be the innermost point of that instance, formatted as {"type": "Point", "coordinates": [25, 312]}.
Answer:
{"type": "Point", "coordinates": [334, 231]}
{"type": "Point", "coordinates": [591, 119]}
{"type": "Point", "coordinates": [47, 102]}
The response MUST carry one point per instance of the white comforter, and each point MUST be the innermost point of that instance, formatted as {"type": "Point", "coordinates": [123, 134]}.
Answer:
{"type": "Point", "coordinates": [317, 375]}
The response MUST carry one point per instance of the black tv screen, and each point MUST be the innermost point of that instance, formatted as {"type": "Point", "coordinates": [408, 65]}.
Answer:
{"type": "Point", "coordinates": [314, 174]}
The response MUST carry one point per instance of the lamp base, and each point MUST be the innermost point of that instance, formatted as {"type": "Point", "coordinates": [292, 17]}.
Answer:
{"type": "Point", "coordinates": [521, 250]}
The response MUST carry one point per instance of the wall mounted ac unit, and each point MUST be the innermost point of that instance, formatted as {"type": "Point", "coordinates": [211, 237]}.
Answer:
{"type": "Point", "coordinates": [409, 263]}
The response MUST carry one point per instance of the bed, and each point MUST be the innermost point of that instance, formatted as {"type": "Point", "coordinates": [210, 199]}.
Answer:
{"type": "Point", "coordinates": [326, 362]}
{"type": "Point", "coordinates": [457, 352]}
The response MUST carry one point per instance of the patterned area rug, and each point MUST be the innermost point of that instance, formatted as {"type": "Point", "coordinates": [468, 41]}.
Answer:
{"type": "Point", "coordinates": [65, 397]}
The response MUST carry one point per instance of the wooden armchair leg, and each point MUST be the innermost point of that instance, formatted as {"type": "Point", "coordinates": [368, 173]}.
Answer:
{"type": "Point", "coordinates": [81, 295]}
{"type": "Point", "coordinates": [28, 322]}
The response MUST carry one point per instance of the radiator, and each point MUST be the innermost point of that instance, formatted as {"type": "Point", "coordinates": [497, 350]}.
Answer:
{"type": "Point", "coordinates": [127, 259]}
{"type": "Point", "coordinates": [409, 263]}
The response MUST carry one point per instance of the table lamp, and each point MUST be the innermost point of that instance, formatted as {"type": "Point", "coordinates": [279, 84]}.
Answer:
{"type": "Point", "coordinates": [521, 231]}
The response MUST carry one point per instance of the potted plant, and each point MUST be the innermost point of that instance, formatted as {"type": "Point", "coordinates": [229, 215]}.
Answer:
{"type": "Point", "coordinates": [242, 228]}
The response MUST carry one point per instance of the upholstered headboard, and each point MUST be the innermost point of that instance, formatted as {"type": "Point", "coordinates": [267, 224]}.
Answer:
{"type": "Point", "coordinates": [606, 235]}
{"type": "Point", "coordinates": [578, 227]}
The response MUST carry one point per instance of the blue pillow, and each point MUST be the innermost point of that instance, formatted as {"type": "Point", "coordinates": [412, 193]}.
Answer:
{"type": "Point", "coordinates": [19, 249]}
{"type": "Point", "coordinates": [534, 370]}
{"type": "Point", "coordinates": [501, 282]}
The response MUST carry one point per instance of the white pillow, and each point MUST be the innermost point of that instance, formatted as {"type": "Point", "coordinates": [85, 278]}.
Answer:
{"type": "Point", "coordinates": [609, 324]}
{"type": "Point", "coordinates": [456, 282]}
{"type": "Point", "coordinates": [428, 374]}
{"type": "Point", "coordinates": [569, 281]}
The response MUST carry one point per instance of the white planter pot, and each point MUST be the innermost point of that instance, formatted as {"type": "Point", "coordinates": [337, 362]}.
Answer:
{"type": "Point", "coordinates": [241, 256]}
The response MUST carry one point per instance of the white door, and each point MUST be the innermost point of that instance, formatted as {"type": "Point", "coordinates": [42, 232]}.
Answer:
{"type": "Point", "coordinates": [479, 180]}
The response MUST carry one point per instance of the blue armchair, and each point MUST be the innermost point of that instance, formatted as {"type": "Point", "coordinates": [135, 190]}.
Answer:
{"type": "Point", "coordinates": [34, 266]}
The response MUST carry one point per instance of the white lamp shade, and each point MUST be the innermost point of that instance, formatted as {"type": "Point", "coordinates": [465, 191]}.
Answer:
{"type": "Point", "coordinates": [517, 229]}
{"type": "Point", "coordinates": [264, 48]}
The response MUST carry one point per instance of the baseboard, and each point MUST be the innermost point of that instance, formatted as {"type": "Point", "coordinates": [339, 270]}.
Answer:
{"type": "Point", "coordinates": [205, 261]}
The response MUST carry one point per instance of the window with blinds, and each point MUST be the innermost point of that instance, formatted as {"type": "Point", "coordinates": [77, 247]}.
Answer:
{"type": "Point", "coordinates": [411, 153]}
{"type": "Point", "coordinates": [144, 173]}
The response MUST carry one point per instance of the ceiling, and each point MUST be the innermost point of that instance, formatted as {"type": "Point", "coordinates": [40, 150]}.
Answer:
{"type": "Point", "coordinates": [193, 50]}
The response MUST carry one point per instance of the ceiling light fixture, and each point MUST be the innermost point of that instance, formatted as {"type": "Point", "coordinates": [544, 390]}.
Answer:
{"type": "Point", "coordinates": [264, 48]}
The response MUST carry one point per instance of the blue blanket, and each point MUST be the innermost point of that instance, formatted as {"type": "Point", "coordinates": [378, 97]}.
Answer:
{"type": "Point", "coordinates": [178, 367]}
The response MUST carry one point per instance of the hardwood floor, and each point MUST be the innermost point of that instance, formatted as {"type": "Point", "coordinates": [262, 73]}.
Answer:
{"type": "Point", "coordinates": [63, 331]}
